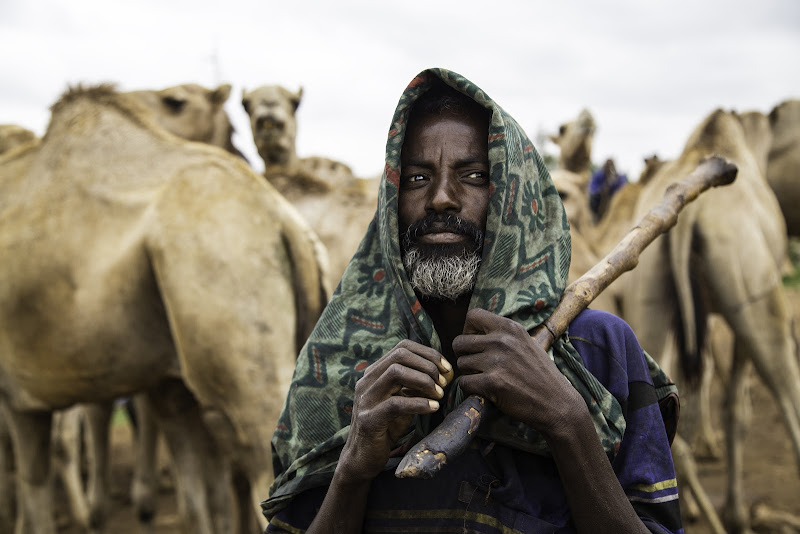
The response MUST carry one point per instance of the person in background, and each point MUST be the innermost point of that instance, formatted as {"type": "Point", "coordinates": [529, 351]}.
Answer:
{"type": "Point", "coordinates": [604, 183]}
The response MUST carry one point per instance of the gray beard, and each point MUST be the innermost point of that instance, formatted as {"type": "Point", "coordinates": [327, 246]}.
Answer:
{"type": "Point", "coordinates": [442, 276]}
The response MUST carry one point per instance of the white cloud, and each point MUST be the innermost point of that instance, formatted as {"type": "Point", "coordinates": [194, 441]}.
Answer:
{"type": "Point", "coordinates": [649, 71]}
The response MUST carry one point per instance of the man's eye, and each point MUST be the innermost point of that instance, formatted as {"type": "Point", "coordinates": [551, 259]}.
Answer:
{"type": "Point", "coordinates": [477, 176]}
{"type": "Point", "coordinates": [415, 178]}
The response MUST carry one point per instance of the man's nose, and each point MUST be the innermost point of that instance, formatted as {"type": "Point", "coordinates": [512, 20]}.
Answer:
{"type": "Point", "coordinates": [445, 195]}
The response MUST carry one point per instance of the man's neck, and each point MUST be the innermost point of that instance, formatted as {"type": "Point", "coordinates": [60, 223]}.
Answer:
{"type": "Point", "coordinates": [448, 318]}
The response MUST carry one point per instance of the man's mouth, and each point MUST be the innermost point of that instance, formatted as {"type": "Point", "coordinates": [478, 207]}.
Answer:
{"type": "Point", "coordinates": [441, 238]}
{"type": "Point", "coordinates": [443, 231]}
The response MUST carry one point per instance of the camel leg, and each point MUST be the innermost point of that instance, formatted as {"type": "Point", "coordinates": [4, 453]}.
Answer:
{"type": "Point", "coordinates": [770, 520]}
{"type": "Point", "coordinates": [736, 513]}
{"type": "Point", "coordinates": [8, 496]}
{"type": "Point", "coordinates": [97, 418]}
{"type": "Point", "coordinates": [243, 495]}
{"type": "Point", "coordinates": [777, 365]}
{"type": "Point", "coordinates": [30, 434]}
{"type": "Point", "coordinates": [144, 486]}
{"type": "Point", "coordinates": [686, 470]}
{"type": "Point", "coordinates": [692, 507]}
{"type": "Point", "coordinates": [763, 331]}
{"type": "Point", "coordinates": [67, 444]}
{"type": "Point", "coordinates": [198, 464]}
{"type": "Point", "coordinates": [706, 443]}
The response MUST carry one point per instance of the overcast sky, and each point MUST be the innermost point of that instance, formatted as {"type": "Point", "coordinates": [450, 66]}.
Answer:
{"type": "Point", "coordinates": [649, 70]}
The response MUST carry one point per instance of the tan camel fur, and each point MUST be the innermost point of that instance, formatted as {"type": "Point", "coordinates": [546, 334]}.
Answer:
{"type": "Point", "coordinates": [192, 112]}
{"type": "Point", "coordinates": [12, 136]}
{"type": "Point", "coordinates": [195, 113]}
{"type": "Point", "coordinates": [574, 139]}
{"type": "Point", "coordinates": [723, 257]}
{"type": "Point", "coordinates": [783, 168]}
{"type": "Point", "coordinates": [338, 205]}
{"type": "Point", "coordinates": [136, 261]}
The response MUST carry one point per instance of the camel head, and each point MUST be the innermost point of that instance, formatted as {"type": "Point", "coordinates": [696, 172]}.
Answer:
{"type": "Point", "coordinates": [191, 111]}
{"type": "Point", "coordinates": [651, 166]}
{"type": "Point", "coordinates": [574, 138]}
{"type": "Point", "coordinates": [272, 110]}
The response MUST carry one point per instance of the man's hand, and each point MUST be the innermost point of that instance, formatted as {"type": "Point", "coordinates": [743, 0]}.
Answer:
{"type": "Point", "coordinates": [499, 360]}
{"type": "Point", "coordinates": [406, 381]}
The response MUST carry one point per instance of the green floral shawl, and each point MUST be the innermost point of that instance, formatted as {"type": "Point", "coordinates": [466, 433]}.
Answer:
{"type": "Point", "coordinates": [523, 274]}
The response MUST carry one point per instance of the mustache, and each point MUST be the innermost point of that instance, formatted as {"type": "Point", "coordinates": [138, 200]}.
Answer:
{"type": "Point", "coordinates": [444, 223]}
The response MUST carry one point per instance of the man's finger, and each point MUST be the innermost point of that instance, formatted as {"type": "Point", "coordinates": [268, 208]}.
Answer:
{"type": "Point", "coordinates": [480, 321]}
{"type": "Point", "coordinates": [398, 406]}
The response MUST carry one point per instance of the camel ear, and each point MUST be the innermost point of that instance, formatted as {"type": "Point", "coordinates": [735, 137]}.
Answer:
{"type": "Point", "coordinates": [297, 97]}
{"type": "Point", "coordinates": [221, 93]}
{"type": "Point", "coordinates": [245, 101]}
{"type": "Point", "coordinates": [773, 116]}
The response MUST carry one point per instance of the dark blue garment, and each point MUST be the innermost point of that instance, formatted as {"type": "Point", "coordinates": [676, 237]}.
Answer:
{"type": "Point", "coordinates": [599, 179]}
{"type": "Point", "coordinates": [492, 488]}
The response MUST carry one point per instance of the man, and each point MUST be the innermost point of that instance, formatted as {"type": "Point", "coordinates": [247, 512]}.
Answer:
{"type": "Point", "coordinates": [469, 251]}
{"type": "Point", "coordinates": [604, 183]}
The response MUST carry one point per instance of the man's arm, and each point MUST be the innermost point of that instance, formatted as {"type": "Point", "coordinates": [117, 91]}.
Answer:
{"type": "Point", "coordinates": [502, 362]}
{"type": "Point", "coordinates": [596, 498]}
{"type": "Point", "coordinates": [407, 381]}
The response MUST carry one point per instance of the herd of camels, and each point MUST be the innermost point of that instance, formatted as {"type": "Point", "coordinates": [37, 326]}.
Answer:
{"type": "Point", "coordinates": [143, 258]}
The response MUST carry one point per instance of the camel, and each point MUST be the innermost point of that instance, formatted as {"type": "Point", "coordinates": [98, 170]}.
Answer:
{"type": "Point", "coordinates": [337, 205]}
{"type": "Point", "coordinates": [784, 161]}
{"type": "Point", "coordinates": [574, 139]}
{"type": "Point", "coordinates": [651, 165]}
{"type": "Point", "coordinates": [723, 256]}
{"type": "Point", "coordinates": [591, 241]}
{"type": "Point", "coordinates": [135, 261]}
{"type": "Point", "coordinates": [272, 110]}
{"type": "Point", "coordinates": [758, 135]}
{"type": "Point", "coordinates": [12, 136]}
{"type": "Point", "coordinates": [192, 112]}
{"type": "Point", "coordinates": [585, 254]}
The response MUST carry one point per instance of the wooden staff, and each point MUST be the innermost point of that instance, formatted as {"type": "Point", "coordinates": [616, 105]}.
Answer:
{"type": "Point", "coordinates": [454, 434]}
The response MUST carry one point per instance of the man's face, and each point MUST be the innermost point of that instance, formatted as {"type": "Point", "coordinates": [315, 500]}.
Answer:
{"type": "Point", "coordinates": [444, 191]}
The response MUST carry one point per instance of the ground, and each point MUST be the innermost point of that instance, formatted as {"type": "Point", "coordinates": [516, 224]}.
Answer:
{"type": "Point", "coordinates": [771, 475]}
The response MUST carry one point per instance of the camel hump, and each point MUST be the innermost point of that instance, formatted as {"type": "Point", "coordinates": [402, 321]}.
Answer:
{"type": "Point", "coordinates": [12, 136]}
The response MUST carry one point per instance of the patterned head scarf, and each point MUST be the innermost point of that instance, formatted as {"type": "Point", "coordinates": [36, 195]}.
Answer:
{"type": "Point", "coordinates": [525, 261]}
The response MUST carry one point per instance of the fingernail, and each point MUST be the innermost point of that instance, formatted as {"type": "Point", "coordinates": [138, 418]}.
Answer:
{"type": "Point", "coordinates": [433, 404]}
{"type": "Point", "coordinates": [442, 380]}
{"type": "Point", "coordinates": [446, 365]}
{"type": "Point", "coordinates": [439, 390]}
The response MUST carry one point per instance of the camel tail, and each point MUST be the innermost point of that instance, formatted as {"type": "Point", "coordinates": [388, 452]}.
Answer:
{"type": "Point", "coordinates": [310, 268]}
{"type": "Point", "coordinates": [692, 320]}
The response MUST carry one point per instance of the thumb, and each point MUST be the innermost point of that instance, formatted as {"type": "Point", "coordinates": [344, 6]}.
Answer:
{"type": "Point", "coordinates": [479, 321]}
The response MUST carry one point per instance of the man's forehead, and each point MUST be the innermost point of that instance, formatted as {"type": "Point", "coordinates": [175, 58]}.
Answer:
{"type": "Point", "coordinates": [416, 121]}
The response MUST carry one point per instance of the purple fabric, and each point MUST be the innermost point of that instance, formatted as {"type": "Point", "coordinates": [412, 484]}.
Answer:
{"type": "Point", "coordinates": [598, 180]}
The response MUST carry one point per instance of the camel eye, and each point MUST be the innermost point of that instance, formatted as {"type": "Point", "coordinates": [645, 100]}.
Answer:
{"type": "Point", "coordinates": [175, 105]}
